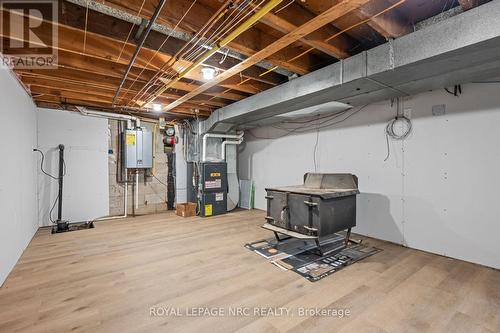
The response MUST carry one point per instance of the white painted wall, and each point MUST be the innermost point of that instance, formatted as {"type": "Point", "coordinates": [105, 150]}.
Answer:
{"type": "Point", "coordinates": [86, 184]}
{"type": "Point", "coordinates": [438, 192]}
{"type": "Point", "coordinates": [18, 213]}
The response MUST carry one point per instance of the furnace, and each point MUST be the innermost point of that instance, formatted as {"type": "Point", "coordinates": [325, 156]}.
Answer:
{"type": "Point", "coordinates": [213, 188]}
{"type": "Point", "coordinates": [324, 205]}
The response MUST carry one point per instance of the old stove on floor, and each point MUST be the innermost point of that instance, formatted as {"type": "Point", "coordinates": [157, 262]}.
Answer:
{"type": "Point", "coordinates": [324, 205]}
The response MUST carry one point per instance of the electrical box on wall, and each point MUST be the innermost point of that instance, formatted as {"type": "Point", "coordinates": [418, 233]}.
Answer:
{"type": "Point", "coordinates": [138, 149]}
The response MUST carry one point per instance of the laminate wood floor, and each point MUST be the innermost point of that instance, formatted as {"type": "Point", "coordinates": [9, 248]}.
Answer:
{"type": "Point", "coordinates": [152, 273]}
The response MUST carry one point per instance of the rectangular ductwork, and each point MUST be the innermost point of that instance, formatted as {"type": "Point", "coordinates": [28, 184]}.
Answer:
{"type": "Point", "coordinates": [457, 50]}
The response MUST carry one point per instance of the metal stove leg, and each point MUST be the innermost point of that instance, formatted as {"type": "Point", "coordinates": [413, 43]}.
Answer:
{"type": "Point", "coordinates": [319, 247]}
{"type": "Point", "coordinates": [347, 236]}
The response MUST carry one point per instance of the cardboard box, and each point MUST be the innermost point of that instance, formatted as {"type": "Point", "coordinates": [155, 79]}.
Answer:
{"type": "Point", "coordinates": [186, 209]}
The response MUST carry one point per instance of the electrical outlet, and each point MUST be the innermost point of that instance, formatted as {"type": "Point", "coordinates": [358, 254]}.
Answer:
{"type": "Point", "coordinates": [407, 113]}
{"type": "Point", "coordinates": [439, 110]}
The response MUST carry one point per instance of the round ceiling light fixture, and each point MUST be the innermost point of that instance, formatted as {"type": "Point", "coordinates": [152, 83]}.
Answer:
{"type": "Point", "coordinates": [208, 73]}
{"type": "Point", "coordinates": [157, 107]}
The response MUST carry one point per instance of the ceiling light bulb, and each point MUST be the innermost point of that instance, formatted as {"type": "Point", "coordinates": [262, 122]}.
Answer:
{"type": "Point", "coordinates": [157, 107]}
{"type": "Point", "coordinates": [208, 73]}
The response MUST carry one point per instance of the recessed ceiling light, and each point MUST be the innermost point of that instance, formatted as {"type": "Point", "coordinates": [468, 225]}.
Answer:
{"type": "Point", "coordinates": [208, 73]}
{"type": "Point", "coordinates": [157, 107]}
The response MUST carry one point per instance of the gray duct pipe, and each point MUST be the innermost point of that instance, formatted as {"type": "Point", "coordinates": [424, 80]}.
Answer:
{"type": "Point", "coordinates": [229, 143]}
{"type": "Point", "coordinates": [219, 136]}
{"type": "Point", "coordinates": [447, 54]}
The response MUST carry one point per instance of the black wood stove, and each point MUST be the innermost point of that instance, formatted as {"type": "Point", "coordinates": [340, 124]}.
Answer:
{"type": "Point", "coordinates": [324, 205]}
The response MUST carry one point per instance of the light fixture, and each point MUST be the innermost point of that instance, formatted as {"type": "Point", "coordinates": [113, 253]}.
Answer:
{"type": "Point", "coordinates": [208, 73]}
{"type": "Point", "coordinates": [157, 107]}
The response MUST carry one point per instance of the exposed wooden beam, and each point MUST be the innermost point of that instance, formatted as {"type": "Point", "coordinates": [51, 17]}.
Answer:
{"type": "Point", "coordinates": [99, 81]}
{"type": "Point", "coordinates": [286, 27]}
{"type": "Point", "coordinates": [293, 16]}
{"type": "Point", "coordinates": [72, 108]}
{"type": "Point", "coordinates": [109, 68]}
{"type": "Point", "coordinates": [339, 10]}
{"type": "Point", "coordinates": [101, 52]}
{"type": "Point", "coordinates": [389, 25]}
{"type": "Point", "coordinates": [247, 43]}
{"type": "Point", "coordinates": [74, 16]}
{"type": "Point", "coordinates": [45, 96]}
{"type": "Point", "coordinates": [75, 91]}
{"type": "Point", "coordinates": [70, 57]}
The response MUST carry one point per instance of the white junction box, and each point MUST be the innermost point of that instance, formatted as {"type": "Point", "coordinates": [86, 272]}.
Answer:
{"type": "Point", "coordinates": [138, 149]}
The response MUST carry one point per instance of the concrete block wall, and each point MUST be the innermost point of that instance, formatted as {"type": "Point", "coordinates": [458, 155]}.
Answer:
{"type": "Point", "coordinates": [152, 194]}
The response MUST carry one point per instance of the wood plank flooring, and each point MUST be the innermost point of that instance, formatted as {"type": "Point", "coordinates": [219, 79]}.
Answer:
{"type": "Point", "coordinates": [110, 278]}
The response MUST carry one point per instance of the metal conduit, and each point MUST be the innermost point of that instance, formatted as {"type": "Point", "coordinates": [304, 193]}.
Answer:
{"type": "Point", "coordinates": [139, 46]}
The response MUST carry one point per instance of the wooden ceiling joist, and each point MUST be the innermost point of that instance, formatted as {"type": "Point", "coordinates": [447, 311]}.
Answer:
{"type": "Point", "coordinates": [338, 10]}
{"type": "Point", "coordinates": [248, 43]}
{"type": "Point", "coordinates": [107, 92]}
{"type": "Point", "coordinates": [300, 36]}
{"type": "Point", "coordinates": [74, 17]}
{"type": "Point", "coordinates": [389, 25]}
{"type": "Point", "coordinates": [70, 57]}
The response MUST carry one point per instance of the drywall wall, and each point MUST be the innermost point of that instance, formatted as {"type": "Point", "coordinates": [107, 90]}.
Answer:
{"type": "Point", "coordinates": [437, 191]}
{"type": "Point", "coordinates": [18, 205]}
{"type": "Point", "coordinates": [85, 194]}
{"type": "Point", "coordinates": [152, 191]}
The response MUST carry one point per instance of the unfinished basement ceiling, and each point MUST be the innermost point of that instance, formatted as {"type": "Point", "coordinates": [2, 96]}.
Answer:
{"type": "Point", "coordinates": [97, 40]}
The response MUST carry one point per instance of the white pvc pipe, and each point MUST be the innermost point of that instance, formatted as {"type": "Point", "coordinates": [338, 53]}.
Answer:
{"type": "Point", "coordinates": [219, 136]}
{"type": "Point", "coordinates": [109, 115]}
{"type": "Point", "coordinates": [229, 143]}
{"type": "Point", "coordinates": [136, 190]}
{"type": "Point", "coordinates": [125, 202]}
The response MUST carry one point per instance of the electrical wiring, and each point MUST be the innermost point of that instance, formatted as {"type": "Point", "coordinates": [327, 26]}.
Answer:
{"type": "Point", "coordinates": [52, 209]}
{"type": "Point", "coordinates": [391, 133]}
{"type": "Point", "coordinates": [327, 40]}
{"type": "Point", "coordinates": [284, 6]}
{"type": "Point", "coordinates": [315, 150]}
{"type": "Point", "coordinates": [457, 90]}
{"type": "Point", "coordinates": [320, 117]}
{"type": "Point", "coordinates": [332, 37]}
{"type": "Point", "coordinates": [320, 126]}
{"type": "Point", "coordinates": [158, 50]}
{"type": "Point", "coordinates": [41, 165]}
{"type": "Point", "coordinates": [216, 36]}
{"type": "Point", "coordinates": [226, 26]}
{"type": "Point", "coordinates": [326, 123]}
{"type": "Point", "coordinates": [176, 57]}
{"type": "Point", "coordinates": [338, 34]}
{"type": "Point", "coordinates": [224, 57]}
{"type": "Point", "coordinates": [231, 24]}
{"type": "Point", "coordinates": [53, 177]}
{"type": "Point", "coordinates": [222, 10]}
{"type": "Point", "coordinates": [187, 55]}
{"type": "Point", "coordinates": [159, 181]}
{"type": "Point", "coordinates": [239, 17]}
{"type": "Point", "coordinates": [130, 32]}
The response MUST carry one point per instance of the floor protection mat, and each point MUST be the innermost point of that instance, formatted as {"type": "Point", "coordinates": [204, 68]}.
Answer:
{"type": "Point", "coordinates": [302, 256]}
